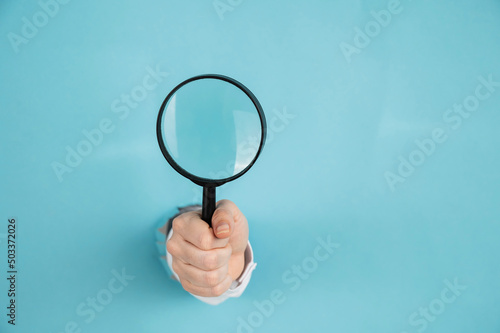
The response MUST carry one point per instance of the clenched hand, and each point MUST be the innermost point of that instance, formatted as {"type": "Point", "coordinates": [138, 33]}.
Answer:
{"type": "Point", "coordinates": [207, 260]}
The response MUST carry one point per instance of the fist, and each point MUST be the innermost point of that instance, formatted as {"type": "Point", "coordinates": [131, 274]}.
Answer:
{"type": "Point", "coordinates": [207, 260]}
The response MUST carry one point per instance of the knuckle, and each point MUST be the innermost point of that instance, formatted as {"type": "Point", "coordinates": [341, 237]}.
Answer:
{"type": "Point", "coordinates": [171, 248]}
{"type": "Point", "coordinates": [205, 241]}
{"type": "Point", "coordinates": [226, 202]}
{"type": "Point", "coordinates": [177, 223]}
{"type": "Point", "coordinates": [220, 214]}
{"type": "Point", "coordinates": [210, 261]}
{"type": "Point", "coordinates": [211, 279]}
{"type": "Point", "coordinates": [175, 266]}
{"type": "Point", "coordinates": [174, 247]}
{"type": "Point", "coordinates": [218, 290]}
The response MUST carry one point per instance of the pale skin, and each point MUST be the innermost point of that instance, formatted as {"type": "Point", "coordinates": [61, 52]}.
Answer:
{"type": "Point", "coordinates": [207, 260]}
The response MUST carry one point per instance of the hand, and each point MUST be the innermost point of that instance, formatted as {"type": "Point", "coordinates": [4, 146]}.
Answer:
{"type": "Point", "coordinates": [207, 260]}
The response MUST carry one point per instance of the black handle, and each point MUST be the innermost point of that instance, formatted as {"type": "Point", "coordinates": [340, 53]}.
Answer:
{"type": "Point", "coordinates": [208, 207]}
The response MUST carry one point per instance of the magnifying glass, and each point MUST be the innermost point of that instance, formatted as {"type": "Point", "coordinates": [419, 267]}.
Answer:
{"type": "Point", "coordinates": [211, 129]}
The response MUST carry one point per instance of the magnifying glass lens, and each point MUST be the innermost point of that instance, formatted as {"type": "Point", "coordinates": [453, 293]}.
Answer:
{"type": "Point", "coordinates": [211, 129]}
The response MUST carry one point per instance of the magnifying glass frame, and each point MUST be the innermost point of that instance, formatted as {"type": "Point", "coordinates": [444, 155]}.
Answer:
{"type": "Point", "coordinates": [208, 184]}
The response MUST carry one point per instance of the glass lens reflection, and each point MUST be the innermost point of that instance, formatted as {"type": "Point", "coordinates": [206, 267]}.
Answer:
{"type": "Point", "coordinates": [211, 128]}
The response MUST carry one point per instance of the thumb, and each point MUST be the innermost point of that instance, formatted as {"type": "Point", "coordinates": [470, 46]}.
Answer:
{"type": "Point", "coordinates": [223, 222]}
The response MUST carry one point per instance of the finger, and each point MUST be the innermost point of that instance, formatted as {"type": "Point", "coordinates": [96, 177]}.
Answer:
{"type": "Point", "coordinates": [215, 291]}
{"type": "Point", "coordinates": [198, 277]}
{"type": "Point", "coordinates": [190, 254]}
{"type": "Point", "coordinates": [224, 218]}
{"type": "Point", "coordinates": [193, 229]}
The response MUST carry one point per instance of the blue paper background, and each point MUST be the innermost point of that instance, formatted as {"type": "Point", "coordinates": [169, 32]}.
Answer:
{"type": "Point", "coordinates": [322, 172]}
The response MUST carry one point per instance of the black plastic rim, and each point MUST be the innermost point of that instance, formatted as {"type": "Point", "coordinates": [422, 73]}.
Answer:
{"type": "Point", "coordinates": [206, 182]}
